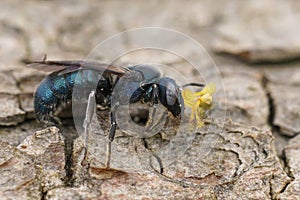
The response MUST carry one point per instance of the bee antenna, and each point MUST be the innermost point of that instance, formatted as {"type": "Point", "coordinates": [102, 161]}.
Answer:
{"type": "Point", "coordinates": [193, 84]}
{"type": "Point", "coordinates": [44, 58]}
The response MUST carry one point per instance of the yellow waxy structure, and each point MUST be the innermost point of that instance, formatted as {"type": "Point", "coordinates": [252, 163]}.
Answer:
{"type": "Point", "coordinates": [199, 102]}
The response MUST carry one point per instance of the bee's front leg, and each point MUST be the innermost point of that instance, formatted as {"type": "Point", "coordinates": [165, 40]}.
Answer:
{"type": "Point", "coordinates": [111, 136]}
{"type": "Point", "coordinates": [153, 103]}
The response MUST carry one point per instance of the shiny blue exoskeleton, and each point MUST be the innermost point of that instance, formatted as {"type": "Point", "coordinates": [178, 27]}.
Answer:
{"type": "Point", "coordinates": [139, 83]}
{"type": "Point", "coordinates": [115, 86]}
{"type": "Point", "coordinates": [56, 90]}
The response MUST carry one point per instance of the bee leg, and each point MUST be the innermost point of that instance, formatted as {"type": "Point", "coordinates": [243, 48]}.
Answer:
{"type": "Point", "coordinates": [153, 103]}
{"type": "Point", "coordinates": [111, 136]}
{"type": "Point", "coordinates": [90, 110]}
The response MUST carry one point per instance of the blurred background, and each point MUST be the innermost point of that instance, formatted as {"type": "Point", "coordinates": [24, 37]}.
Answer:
{"type": "Point", "coordinates": [256, 31]}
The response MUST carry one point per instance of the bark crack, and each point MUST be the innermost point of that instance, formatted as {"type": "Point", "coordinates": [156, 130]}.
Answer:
{"type": "Point", "coordinates": [274, 128]}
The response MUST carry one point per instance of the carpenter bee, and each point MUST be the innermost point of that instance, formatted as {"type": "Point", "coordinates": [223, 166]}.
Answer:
{"type": "Point", "coordinates": [139, 83]}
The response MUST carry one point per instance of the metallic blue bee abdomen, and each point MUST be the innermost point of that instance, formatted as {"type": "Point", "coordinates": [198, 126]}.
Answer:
{"type": "Point", "coordinates": [70, 78]}
{"type": "Point", "coordinates": [56, 90]}
{"type": "Point", "coordinates": [47, 97]}
{"type": "Point", "coordinates": [60, 86]}
{"type": "Point", "coordinates": [45, 92]}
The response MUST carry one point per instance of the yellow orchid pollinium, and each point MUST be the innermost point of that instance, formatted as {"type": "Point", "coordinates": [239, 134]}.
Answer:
{"type": "Point", "coordinates": [199, 102]}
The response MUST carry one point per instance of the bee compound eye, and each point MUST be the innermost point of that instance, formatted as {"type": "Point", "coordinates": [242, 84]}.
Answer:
{"type": "Point", "coordinates": [171, 94]}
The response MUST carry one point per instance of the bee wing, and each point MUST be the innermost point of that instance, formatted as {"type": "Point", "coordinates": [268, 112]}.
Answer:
{"type": "Point", "coordinates": [45, 66]}
{"type": "Point", "coordinates": [107, 68]}
{"type": "Point", "coordinates": [68, 66]}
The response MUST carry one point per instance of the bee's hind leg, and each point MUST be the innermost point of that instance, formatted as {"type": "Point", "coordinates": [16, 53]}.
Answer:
{"type": "Point", "coordinates": [90, 110]}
